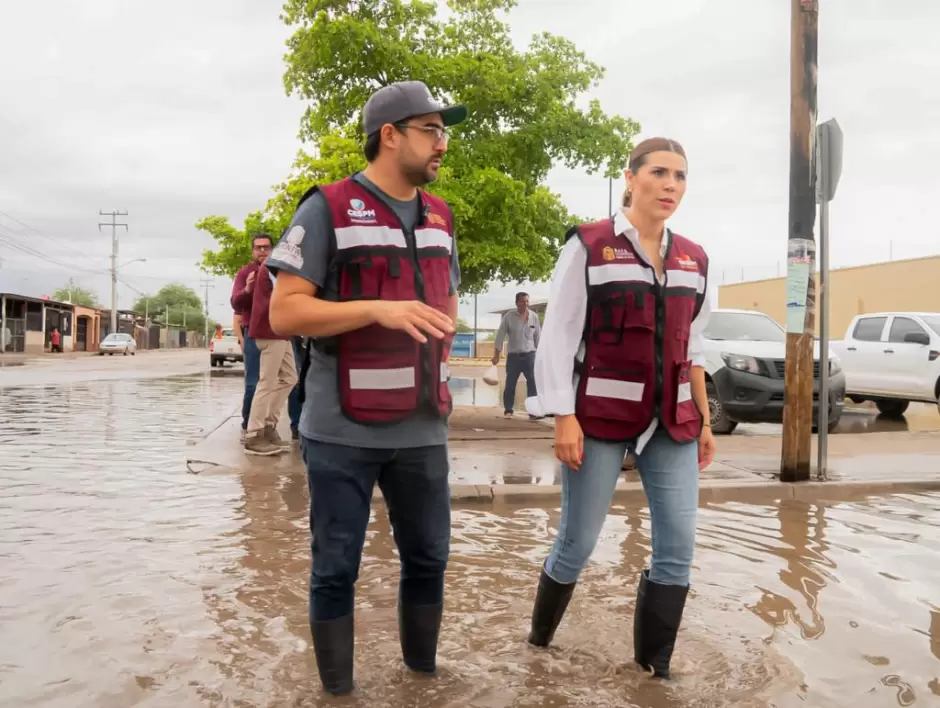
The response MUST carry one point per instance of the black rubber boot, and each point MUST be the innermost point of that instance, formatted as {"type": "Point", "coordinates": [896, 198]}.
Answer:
{"type": "Point", "coordinates": [333, 643]}
{"type": "Point", "coordinates": [418, 629]}
{"type": "Point", "coordinates": [656, 622]}
{"type": "Point", "coordinates": [551, 601]}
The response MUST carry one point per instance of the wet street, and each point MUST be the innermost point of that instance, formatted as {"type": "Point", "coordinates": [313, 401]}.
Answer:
{"type": "Point", "coordinates": [127, 581]}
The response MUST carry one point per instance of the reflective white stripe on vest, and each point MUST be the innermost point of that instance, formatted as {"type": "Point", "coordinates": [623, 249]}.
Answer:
{"type": "Point", "coordinates": [611, 388]}
{"type": "Point", "coordinates": [619, 272]}
{"type": "Point", "coordinates": [360, 236]}
{"type": "Point", "coordinates": [685, 279]}
{"type": "Point", "coordinates": [685, 393]}
{"type": "Point", "coordinates": [381, 379]}
{"type": "Point", "coordinates": [445, 372]}
{"type": "Point", "coordinates": [432, 238]}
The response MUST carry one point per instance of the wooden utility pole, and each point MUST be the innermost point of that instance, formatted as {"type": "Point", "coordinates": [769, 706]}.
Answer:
{"type": "Point", "coordinates": [801, 245]}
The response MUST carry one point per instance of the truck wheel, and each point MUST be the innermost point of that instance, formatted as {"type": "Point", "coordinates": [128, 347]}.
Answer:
{"type": "Point", "coordinates": [721, 423]}
{"type": "Point", "coordinates": [856, 399]}
{"type": "Point", "coordinates": [892, 408]}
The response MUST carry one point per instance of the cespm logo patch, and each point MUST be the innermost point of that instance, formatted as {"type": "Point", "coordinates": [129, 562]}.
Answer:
{"type": "Point", "coordinates": [357, 204]}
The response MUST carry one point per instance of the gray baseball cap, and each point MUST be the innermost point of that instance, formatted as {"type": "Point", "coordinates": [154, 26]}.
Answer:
{"type": "Point", "coordinates": [398, 102]}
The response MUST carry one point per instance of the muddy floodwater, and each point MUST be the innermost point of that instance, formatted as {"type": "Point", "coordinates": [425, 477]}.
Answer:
{"type": "Point", "coordinates": [127, 581]}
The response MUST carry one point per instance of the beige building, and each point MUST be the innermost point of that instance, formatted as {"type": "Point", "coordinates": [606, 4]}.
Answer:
{"type": "Point", "coordinates": [909, 285]}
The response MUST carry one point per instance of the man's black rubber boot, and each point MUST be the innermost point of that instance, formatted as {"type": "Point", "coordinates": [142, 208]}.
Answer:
{"type": "Point", "coordinates": [551, 601]}
{"type": "Point", "coordinates": [418, 630]}
{"type": "Point", "coordinates": [333, 643]}
{"type": "Point", "coordinates": [656, 622]}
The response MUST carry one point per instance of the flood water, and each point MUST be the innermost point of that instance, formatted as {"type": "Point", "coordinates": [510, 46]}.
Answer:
{"type": "Point", "coordinates": [126, 581]}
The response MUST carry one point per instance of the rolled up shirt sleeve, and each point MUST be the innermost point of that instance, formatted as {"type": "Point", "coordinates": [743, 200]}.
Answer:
{"type": "Point", "coordinates": [697, 330]}
{"type": "Point", "coordinates": [560, 337]}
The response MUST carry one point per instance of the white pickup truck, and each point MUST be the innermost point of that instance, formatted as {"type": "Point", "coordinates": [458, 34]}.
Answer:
{"type": "Point", "coordinates": [745, 354]}
{"type": "Point", "coordinates": [891, 359]}
{"type": "Point", "coordinates": [225, 349]}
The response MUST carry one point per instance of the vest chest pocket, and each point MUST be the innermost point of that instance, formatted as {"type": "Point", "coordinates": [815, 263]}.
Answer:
{"type": "Point", "coordinates": [640, 310]}
{"type": "Point", "coordinates": [360, 279]}
{"type": "Point", "coordinates": [607, 319]}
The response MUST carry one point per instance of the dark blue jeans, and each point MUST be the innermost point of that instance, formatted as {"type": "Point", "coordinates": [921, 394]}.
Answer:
{"type": "Point", "coordinates": [417, 495]}
{"type": "Point", "coordinates": [294, 405]}
{"type": "Point", "coordinates": [517, 364]}
{"type": "Point", "coordinates": [252, 357]}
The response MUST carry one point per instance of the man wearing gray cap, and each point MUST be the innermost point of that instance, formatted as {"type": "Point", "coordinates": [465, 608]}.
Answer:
{"type": "Point", "coordinates": [368, 270]}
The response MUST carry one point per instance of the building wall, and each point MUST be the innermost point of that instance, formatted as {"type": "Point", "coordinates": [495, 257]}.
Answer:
{"type": "Point", "coordinates": [35, 342]}
{"type": "Point", "coordinates": [909, 285]}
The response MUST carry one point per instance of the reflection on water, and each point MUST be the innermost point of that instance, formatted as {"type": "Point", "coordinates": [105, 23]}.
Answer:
{"type": "Point", "coordinates": [128, 582]}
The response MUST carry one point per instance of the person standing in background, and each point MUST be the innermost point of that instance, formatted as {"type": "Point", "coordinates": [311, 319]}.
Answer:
{"type": "Point", "coordinates": [523, 328]}
{"type": "Point", "coordinates": [277, 373]}
{"type": "Point", "coordinates": [241, 301]}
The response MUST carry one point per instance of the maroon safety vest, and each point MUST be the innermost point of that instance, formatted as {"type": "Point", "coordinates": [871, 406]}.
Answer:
{"type": "Point", "coordinates": [636, 337]}
{"type": "Point", "coordinates": [385, 375]}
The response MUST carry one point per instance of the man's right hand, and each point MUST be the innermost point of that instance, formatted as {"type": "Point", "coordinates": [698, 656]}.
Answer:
{"type": "Point", "coordinates": [250, 282]}
{"type": "Point", "coordinates": [569, 441]}
{"type": "Point", "coordinates": [495, 359]}
{"type": "Point", "coordinates": [413, 317]}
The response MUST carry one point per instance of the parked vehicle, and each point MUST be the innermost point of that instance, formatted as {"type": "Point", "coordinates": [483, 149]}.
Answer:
{"type": "Point", "coordinates": [225, 349]}
{"type": "Point", "coordinates": [891, 359]}
{"type": "Point", "coordinates": [745, 354]}
{"type": "Point", "coordinates": [117, 343]}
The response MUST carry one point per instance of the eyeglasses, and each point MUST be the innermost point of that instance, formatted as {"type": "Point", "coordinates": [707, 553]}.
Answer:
{"type": "Point", "coordinates": [437, 132]}
{"type": "Point", "coordinates": [265, 247]}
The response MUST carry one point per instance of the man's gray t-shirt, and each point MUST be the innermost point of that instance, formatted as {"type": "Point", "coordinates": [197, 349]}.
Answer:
{"type": "Point", "coordinates": [322, 418]}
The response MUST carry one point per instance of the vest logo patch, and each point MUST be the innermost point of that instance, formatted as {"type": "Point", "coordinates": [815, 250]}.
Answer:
{"type": "Point", "coordinates": [436, 219]}
{"type": "Point", "coordinates": [359, 212]}
{"type": "Point", "coordinates": [686, 263]}
{"type": "Point", "coordinates": [616, 254]}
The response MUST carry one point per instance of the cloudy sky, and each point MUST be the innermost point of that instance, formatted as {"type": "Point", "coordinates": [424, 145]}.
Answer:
{"type": "Point", "coordinates": [172, 111]}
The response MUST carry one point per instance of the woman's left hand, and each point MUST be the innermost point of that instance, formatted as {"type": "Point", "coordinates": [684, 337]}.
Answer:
{"type": "Point", "coordinates": [706, 448]}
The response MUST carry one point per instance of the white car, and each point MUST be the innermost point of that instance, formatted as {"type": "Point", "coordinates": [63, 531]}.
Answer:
{"type": "Point", "coordinates": [745, 354]}
{"type": "Point", "coordinates": [891, 359]}
{"type": "Point", "coordinates": [225, 349]}
{"type": "Point", "coordinates": [117, 343]}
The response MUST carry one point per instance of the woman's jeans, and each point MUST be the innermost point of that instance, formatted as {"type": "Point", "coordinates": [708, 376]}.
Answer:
{"type": "Point", "coordinates": [669, 472]}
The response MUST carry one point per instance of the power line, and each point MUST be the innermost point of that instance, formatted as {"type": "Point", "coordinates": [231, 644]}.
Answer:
{"type": "Point", "coordinates": [114, 254]}
{"type": "Point", "coordinates": [61, 245]}
{"type": "Point", "coordinates": [29, 251]}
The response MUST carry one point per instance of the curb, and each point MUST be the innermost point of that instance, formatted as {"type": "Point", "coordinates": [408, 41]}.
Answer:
{"type": "Point", "coordinates": [750, 492]}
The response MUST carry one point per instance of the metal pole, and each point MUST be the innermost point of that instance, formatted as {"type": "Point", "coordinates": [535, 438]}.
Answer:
{"type": "Point", "coordinates": [206, 284]}
{"type": "Point", "coordinates": [823, 442]}
{"type": "Point", "coordinates": [610, 196]}
{"type": "Point", "coordinates": [475, 331]}
{"type": "Point", "coordinates": [796, 449]}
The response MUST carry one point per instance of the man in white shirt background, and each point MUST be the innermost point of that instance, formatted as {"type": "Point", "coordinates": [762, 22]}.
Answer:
{"type": "Point", "coordinates": [522, 329]}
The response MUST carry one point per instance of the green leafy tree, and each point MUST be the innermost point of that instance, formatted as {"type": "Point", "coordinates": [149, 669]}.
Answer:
{"type": "Point", "coordinates": [526, 116]}
{"type": "Point", "coordinates": [462, 326]}
{"type": "Point", "coordinates": [76, 295]}
{"type": "Point", "coordinates": [179, 303]}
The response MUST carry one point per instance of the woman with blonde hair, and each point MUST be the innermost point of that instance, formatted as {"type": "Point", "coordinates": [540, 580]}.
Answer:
{"type": "Point", "coordinates": [620, 365]}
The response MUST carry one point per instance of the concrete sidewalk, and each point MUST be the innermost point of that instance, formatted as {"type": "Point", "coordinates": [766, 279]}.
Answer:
{"type": "Point", "coordinates": [494, 460]}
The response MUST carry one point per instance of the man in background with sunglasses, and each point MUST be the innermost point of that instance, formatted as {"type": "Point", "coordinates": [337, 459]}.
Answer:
{"type": "Point", "coordinates": [368, 269]}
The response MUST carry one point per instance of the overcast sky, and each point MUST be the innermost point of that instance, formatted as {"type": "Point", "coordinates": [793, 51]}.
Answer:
{"type": "Point", "coordinates": [172, 111]}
